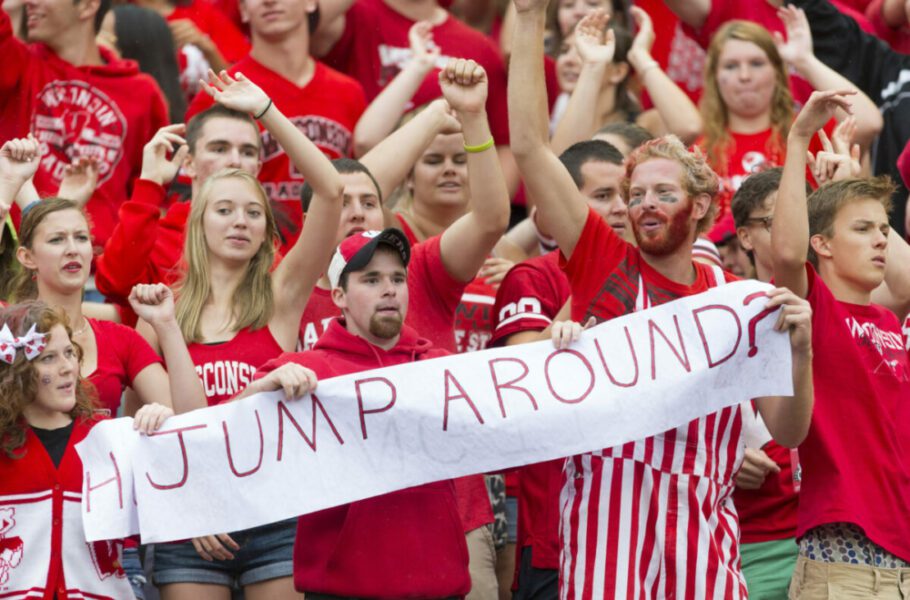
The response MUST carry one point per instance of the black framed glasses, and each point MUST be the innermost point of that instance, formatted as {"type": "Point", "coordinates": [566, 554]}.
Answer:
{"type": "Point", "coordinates": [763, 221]}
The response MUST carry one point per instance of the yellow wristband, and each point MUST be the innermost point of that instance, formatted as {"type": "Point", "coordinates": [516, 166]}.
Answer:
{"type": "Point", "coordinates": [479, 147]}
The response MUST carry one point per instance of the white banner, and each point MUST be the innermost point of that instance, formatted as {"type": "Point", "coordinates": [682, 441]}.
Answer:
{"type": "Point", "coordinates": [264, 459]}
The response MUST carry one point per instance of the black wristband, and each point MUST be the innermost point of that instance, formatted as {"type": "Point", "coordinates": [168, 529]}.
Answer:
{"type": "Point", "coordinates": [264, 110]}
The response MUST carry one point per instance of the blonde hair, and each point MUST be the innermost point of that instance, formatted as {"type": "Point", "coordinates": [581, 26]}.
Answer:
{"type": "Point", "coordinates": [253, 303]}
{"type": "Point", "coordinates": [716, 119]}
{"type": "Point", "coordinates": [697, 178]}
{"type": "Point", "coordinates": [19, 380]}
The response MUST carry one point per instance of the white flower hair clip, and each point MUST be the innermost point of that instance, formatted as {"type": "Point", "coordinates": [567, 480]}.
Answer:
{"type": "Point", "coordinates": [32, 344]}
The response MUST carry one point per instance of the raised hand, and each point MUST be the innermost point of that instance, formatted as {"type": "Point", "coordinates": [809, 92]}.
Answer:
{"type": "Point", "coordinates": [19, 158]}
{"type": "Point", "coordinates": [795, 317]}
{"type": "Point", "coordinates": [464, 85]}
{"type": "Point", "coordinates": [798, 45]}
{"type": "Point", "coordinates": [644, 37]}
{"type": "Point", "coordinates": [153, 303]}
{"type": "Point", "coordinates": [450, 123]}
{"type": "Point", "coordinates": [842, 140]}
{"type": "Point", "coordinates": [818, 110]}
{"type": "Point", "coordinates": [830, 165]}
{"type": "Point", "coordinates": [424, 51]}
{"type": "Point", "coordinates": [156, 166]}
{"type": "Point", "coordinates": [591, 41]}
{"type": "Point", "coordinates": [236, 92]}
{"type": "Point", "coordinates": [80, 178]}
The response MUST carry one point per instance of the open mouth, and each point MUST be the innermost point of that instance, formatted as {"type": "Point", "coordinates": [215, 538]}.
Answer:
{"type": "Point", "coordinates": [72, 267]}
{"type": "Point", "coordinates": [66, 387]}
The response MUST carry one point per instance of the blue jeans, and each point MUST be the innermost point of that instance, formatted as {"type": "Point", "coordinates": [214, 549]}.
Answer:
{"type": "Point", "coordinates": [266, 552]}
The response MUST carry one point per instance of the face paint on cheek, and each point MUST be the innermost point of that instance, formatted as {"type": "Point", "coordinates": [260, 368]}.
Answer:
{"type": "Point", "coordinates": [46, 380]}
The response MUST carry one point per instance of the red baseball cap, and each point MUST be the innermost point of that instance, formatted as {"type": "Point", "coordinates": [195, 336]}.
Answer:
{"type": "Point", "coordinates": [356, 251]}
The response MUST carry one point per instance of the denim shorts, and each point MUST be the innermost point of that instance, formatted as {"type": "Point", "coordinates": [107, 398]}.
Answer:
{"type": "Point", "coordinates": [266, 552]}
{"type": "Point", "coordinates": [132, 567]}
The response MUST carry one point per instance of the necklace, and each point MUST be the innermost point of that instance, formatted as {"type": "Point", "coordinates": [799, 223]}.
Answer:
{"type": "Point", "coordinates": [82, 329]}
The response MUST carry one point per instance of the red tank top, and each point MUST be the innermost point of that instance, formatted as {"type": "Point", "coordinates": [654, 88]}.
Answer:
{"type": "Point", "coordinates": [225, 368]}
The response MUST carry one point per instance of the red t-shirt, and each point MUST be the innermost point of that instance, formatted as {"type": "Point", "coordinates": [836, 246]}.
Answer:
{"type": "Point", "coordinates": [769, 513]}
{"type": "Point", "coordinates": [108, 111]}
{"type": "Point", "coordinates": [122, 355]}
{"type": "Point", "coordinates": [374, 47]}
{"type": "Point", "coordinates": [326, 109]}
{"type": "Point", "coordinates": [856, 458]}
{"type": "Point", "coordinates": [226, 368]}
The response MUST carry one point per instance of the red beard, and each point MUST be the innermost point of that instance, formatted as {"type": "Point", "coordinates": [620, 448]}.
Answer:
{"type": "Point", "coordinates": [667, 240]}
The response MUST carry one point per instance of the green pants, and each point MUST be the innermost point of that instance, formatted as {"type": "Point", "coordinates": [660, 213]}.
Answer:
{"type": "Point", "coordinates": [768, 567]}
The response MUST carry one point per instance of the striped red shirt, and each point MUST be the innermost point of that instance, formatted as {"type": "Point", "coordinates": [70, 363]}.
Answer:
{"type": "Point", "coordinates": [652, 518]}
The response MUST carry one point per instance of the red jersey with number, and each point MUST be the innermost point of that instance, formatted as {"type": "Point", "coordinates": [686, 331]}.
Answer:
{"type": "Point", "coordinates": [326, 110]}
{"type": "Point", "coordinates": [122, 355]}
{"type": "Point", "coordinates": [856, 458]}
{"type": "Point", "coordinates": [226, 368]}
{"type": "Point", "coordinates": [374, 47]}
{"type": "Point", "coordinates": [654, 517]}
{"type": "Point", "coordinates": [108, 112]}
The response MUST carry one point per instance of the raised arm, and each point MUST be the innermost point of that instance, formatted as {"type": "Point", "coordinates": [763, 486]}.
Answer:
{"type": "Point", "coordinates": [467, 242]}
{"type": "Point", "coordinates": [295, 276]}
{"type": "Point", "coordinates": [790, 227]}
{"type": "Point", "coordinates": [385, 111]}
{"type": "Point", "coordinates": [678, 113]}
{"type": "Point", "coordinates": [19, 159]}
{"type": "Point", "coordinates": [561, 208]}
{"type": "Point", "coordinates": [154, 304]}
{"type": "Point", "coordinates": [596, 48]}
{"type": "Point", "coordinates": [788, 418]}
{"type": "Point", "coordinates": [127, 253]}
{"type": "Point", "coordinates": [392, 159]}
{"type": "Point", "coordinates": [797, 51]}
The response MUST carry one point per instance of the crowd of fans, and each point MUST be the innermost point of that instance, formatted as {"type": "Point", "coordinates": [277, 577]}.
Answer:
{"type": "Point", "coordinates": [205, 199]}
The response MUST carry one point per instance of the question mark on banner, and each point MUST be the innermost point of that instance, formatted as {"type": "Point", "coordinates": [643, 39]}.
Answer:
{"type": "Point", "coordinates": [753, 322]}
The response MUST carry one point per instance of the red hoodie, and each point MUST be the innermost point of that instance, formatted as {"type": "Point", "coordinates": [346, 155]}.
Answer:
{"type": "Point", "coordinates": [406, 544]}
{"type": "Point", "coordinates": [108, 111]}
{"type": "Point", "coordinates": [143, 247]}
